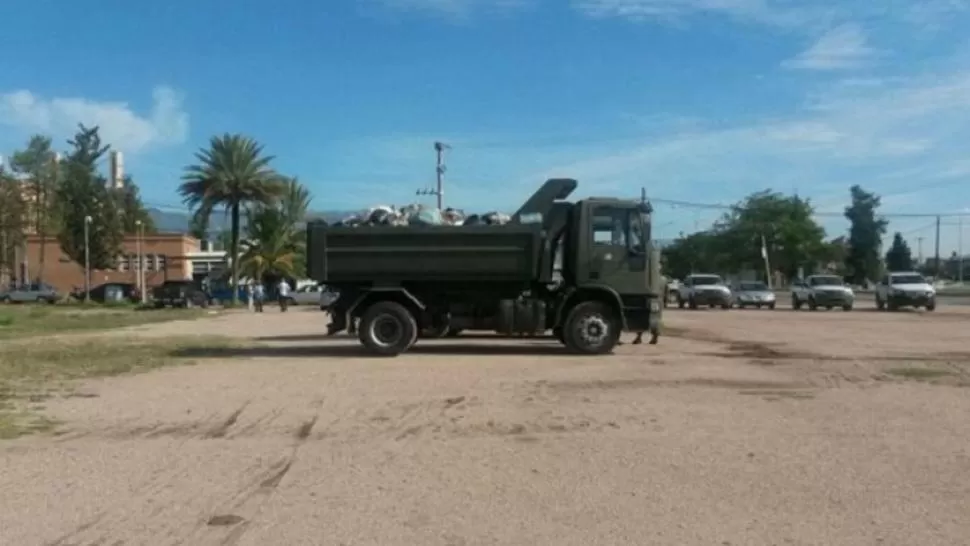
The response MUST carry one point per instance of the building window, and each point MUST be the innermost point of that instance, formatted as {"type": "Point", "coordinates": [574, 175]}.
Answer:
{"type": "Point", "coordinates": [160, 263]}
{"type": "Point", "coordinates": [149, 263]}
{"type": "Point", "coordinates": [124, 264]}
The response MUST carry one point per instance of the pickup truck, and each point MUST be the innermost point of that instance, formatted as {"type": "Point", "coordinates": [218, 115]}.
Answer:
{"type": "Point", "coordinates": [179, 294]}
{"type": "Point", "coordinates": [400, 281]}
{"type": "Point", "coordinates": [826, 291]}
{"type": "Point", "coordinates": [701, 290]}
{"type": "Point", "coordinates": [905, 288]}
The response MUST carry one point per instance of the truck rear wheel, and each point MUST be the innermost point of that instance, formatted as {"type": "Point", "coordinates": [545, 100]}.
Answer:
{"type": "Point", "coordinates": [387, 329]}
{"type": "Point", "coordinates": [591, 328]}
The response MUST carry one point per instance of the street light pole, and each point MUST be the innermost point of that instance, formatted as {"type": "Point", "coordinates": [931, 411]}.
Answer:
{"type": "Point", "coordinates": [87, 259]}
{"type": "Point", "coordinates": [141, 261]}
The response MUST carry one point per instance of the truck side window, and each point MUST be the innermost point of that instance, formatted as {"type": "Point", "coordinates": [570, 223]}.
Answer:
{"type": "Point", "coordinates": [636, 231]}
{"type": "Point", "coordinates": [609, 226]}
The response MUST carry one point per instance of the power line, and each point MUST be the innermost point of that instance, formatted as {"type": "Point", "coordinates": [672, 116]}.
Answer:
{"type": "Point", "coordinates": [824, 214]}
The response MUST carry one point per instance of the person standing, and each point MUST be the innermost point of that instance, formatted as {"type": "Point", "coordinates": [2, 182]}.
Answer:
{"type": "Point", "coordinates": [283, 291]}
{"type": "Point", "coordinates": [259, 295]}
{"type": "Point", "coordinates": [250, 296]}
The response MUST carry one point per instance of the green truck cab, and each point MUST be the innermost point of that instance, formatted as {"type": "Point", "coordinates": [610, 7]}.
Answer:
{"type": "Point", "coordinates": [586, 270]}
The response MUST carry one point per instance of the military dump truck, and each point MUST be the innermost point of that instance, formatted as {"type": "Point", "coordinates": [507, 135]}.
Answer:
{"type": "Point", "coordinates": [399, 281]}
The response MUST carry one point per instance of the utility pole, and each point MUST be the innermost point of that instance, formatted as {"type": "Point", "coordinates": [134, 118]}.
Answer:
{"type": "Point", "coordinates": [919, 250]}
{"type": "Point", "coordinates": [937, 247]}
{"type": "Point", "coordinates": [960, 249]}
{"type": "Point", "coordinates": [439, 148]}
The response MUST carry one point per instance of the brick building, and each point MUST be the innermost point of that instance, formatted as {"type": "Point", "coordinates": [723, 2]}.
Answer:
{"type": "Point", "coordinates": [166, 256]}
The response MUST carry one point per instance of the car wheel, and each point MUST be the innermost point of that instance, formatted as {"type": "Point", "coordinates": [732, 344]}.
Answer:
{"type": "Point", "coordinates": [771, 306]}
{"type": "Point", "coordinates": [812, 306]}
{"type": "Point", "coordinates": [931, 306]}
{"type": "Point", "coordinates": [795, 304]}
{"type": "Point", "coordinates": [691, 303]}
{"type": "Point", "coordinates": [847, 307]}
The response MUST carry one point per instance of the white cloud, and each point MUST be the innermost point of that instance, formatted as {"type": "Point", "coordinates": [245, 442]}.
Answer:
{"type": "Point", "coordinates": [165, 123]}
{"type": "Point", "coordinates": [813, 15]}
{"type": "Point", "coordinates": [843, 47]}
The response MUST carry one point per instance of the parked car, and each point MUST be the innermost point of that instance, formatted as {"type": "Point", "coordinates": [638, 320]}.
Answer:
{"type": "Point", "coordinates": [753, 294]}
{"type": "Point", "coordinates": [113, 292]}
{"type": "Point", "coordinates": [307, 295]}
{"type": "Point", "coordinates": [903, 289]}
{"type": "Point", "coordinates": [32, 293]}
{"type": "Point", "coordinates": [826, 291]}
{"type": "Point", "coordinates": [704, 290]}
{"type": "Point", "coordinates": [179, 294]}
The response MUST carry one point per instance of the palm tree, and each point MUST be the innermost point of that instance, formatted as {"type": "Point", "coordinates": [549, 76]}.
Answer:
{"type": "Point", "coordinates": [231, 173]}
{"type": "Point", "coordinates": [275, 239]}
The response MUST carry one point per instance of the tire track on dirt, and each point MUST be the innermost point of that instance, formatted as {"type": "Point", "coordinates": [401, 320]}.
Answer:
{"type": "Point", "coordinates": [230, 524]}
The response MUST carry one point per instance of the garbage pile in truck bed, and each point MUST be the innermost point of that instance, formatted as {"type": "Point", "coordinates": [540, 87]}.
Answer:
{"type": "Point", "coordinates": [420, 215]}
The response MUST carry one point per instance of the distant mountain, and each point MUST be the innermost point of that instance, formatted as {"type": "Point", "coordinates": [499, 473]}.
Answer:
{"type": "Point", "coordinates": [178, 222]}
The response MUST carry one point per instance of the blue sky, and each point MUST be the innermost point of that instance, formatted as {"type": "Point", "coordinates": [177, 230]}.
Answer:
{"type": "Point", "coordinates": [698, 100]}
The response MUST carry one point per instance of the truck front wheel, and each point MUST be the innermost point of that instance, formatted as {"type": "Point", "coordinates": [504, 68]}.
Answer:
{"type": "Point", "coordinates": [591, 328]}
{"type": "Point", "coordinates": [387, 329]}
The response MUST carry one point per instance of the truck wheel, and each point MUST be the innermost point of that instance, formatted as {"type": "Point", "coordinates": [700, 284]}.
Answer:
{"type": "Point", "coordinates": [387, 329]}
{"type": "Point", "coordinates": [557, 332]}
{"type": "Point", "coordinates": [591, 329]}
{"type": "Point", "coordinates": [435, 332]}
{"type": "Point", "coordinates": [692, 303]}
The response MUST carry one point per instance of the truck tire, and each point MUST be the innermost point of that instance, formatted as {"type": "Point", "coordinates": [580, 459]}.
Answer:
{"type": "Point", "coordinates": [387, 328]}
{"type": "Point", "coordinates": [435, 332]}
{"type": "Point", "coordinates": [591, 329]}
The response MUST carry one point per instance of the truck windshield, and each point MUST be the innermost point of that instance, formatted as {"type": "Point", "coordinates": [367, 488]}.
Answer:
{"type": "Point", "coordinates": [825, 281]}
{"type": "Point", "coordinates": [908, 279]}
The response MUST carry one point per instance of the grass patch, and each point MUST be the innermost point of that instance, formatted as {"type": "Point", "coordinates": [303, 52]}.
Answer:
{"type": "Point", "coordinates": [34, 371]}
{"type": "Point", "coordinates": [919, 374]}
{"type": "Point", "coordinates": [31, 320]}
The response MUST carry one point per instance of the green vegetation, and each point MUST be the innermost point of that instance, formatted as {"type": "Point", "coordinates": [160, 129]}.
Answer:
{"type": "Point", "coordinates": [53, 193]}
{"type": "Point", "coordinates": [32, 371]}
{"type": "Point", "coordinates": [232, 173]}
{"type": "Point", "coordinates": [18, 321]}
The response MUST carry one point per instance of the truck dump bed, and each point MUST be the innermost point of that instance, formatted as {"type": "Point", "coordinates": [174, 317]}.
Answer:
{"type": "Point", "coordinates": [372, 254]}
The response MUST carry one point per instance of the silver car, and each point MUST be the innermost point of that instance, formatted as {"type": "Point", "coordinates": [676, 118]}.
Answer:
{"type": "Point", "coordinates": [753, 294]}
{"type": "Point", "coordinates": [33, 293]}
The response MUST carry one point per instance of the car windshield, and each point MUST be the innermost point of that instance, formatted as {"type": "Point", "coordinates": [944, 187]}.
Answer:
{"type": "Point", "coordinates": [702, 281]}
{"type": "Point", "coordinates": [908, 279]}
{"type": "Point", "coordinates": [825, 281]}
{"type": "Point", "coordinates": [754, 286]}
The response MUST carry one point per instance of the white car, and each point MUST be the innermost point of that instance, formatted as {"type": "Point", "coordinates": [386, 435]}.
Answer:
{"type": "Point", "coordinates": [704, 290]}
{"type": "Point", "coordinates": [905, 288]}
{"type": "Point", "coordinates": [826, 291]}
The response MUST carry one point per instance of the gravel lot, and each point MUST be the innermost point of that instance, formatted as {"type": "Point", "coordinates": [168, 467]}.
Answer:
{"type": "Point", "coordinates": [740, 428]}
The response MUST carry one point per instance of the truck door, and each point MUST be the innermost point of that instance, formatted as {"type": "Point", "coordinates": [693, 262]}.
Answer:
{"type": "Point", "coordinates": [612, 261]}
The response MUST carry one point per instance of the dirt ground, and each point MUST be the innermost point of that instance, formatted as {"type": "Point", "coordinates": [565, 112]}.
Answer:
{"type": "Point", "coordinates": [741, 428]}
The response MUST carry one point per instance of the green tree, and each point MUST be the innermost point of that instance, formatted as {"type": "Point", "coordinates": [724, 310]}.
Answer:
{"type": "Point", "coordinates": [864, 256]}
{"type": "Point", "coordinates": [276, 240]}
{"type": "Point", "coordinates": [792, 238]}
{"type": "Point", "coordinates": [899, 257]}
{"type": "Point", "coordinates": [83, 193]}
{"type": "Point", "coordinates": [132, 209]}
{"type": "Point", "coordinates": [231, 173]}
{"type": "Point", "coordinates": [13, 223]}
{"type": "Point", "coordinates": [37, 165]}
